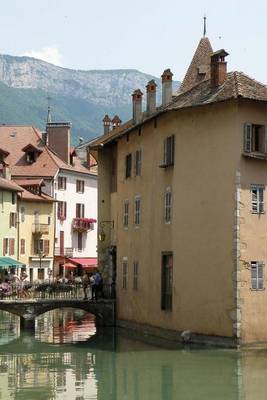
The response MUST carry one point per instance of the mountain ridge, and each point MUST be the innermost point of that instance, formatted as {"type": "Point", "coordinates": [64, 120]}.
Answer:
{"type": "Point", "coordinates": [81, 96]}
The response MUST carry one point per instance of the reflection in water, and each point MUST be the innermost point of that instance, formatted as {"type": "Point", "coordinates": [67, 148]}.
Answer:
{"type": "Point", "coordinates": [109, 367]}
{"type": "Point", "coordinates": [65, 326]}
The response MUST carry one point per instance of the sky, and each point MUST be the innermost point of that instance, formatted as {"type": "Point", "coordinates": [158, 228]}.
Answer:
{"type": "Point", "coordinates": [139, 34]}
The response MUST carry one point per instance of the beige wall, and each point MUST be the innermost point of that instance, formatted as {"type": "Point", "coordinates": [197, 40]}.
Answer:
{"type": "Point", "coordinates": [253, 233]}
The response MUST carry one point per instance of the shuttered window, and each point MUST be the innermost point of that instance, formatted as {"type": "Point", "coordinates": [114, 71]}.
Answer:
{"type": "Point", "coordinates": [61, 183]}
{"type": "Point", "coordinates": [22, 246]}
{"type": "Point", "coordinates": [168, 205]}
{"type": "Point", "coordinates": [135, 274]}
{"type": "Point", "coordinates": [257, 275]}
{"type": "Point", "coordinates": [46, 247]}
{"type": "Point", "coordinates": [11, 246]}
{"type": "Point", "coordinates": [255, 138]}
{"type": "Point", "coordinates": [168, 159]}
{"type": "Point", "coordinates": [79, 210]}
{"type": "Point", "coordinates": [80, 241]}
{"type": "Point", "coordinates": [79, 186]}
{"type": "Point", "coordinates": [13, 219]}
{"type": "Point", "coordinates": [128, 166]}
{"type": "Point", "coordinates": [5, 246]}
{"type": "Point", "coordinates": [257, 199]}
{"type": "Point", "coordinates": [126, 214]}
{"type": "Point", "coordinates": [125, 273]}
{"type": "Point", "coordinates": [62, 210]}
{"type": "Point", "coordinates": [137, 210]}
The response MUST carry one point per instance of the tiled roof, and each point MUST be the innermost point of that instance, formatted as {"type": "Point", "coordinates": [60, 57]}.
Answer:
{"type": "Point", "coordinates": [237, 85]}
{"type": "Point", "coordinates": [199, 68]}
{"type": "Point", "coordinates": [29, 196]}
{"type": "Point", "coordinates": [5, 184]}
{"type": "Point", "coordinates": [13, 140]}
{"type": "Point", "coordinates": [30, 182]}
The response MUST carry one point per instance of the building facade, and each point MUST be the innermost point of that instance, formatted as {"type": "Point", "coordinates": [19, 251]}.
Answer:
{"type": "Point", "coordinates": [183, 185]}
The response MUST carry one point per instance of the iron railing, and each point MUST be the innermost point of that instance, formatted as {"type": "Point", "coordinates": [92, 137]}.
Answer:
{"type": "Point", "coordinates": [56, 291]}
{"type": "Point", "coordinates": [40, 228]}
{"type": "Point", "coordinates": [64, 252]}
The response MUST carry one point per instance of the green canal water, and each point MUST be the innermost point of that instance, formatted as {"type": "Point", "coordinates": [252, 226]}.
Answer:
{"type": "Point", "coordinates": [67, 359]}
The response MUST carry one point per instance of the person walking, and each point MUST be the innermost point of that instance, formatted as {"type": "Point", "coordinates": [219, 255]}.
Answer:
{"type": "Point", "coordinates": [85, 282]}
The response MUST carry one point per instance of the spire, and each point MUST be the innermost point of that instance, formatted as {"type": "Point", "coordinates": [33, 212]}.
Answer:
{"type": "Point", "coordinates": [205, 27]}
{"type": "Point", "coordinates": [199, 68]}
{"type": "Point", "coordinates": [49, 116]}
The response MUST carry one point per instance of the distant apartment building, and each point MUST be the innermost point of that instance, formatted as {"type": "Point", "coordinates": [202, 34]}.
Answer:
{"type": "Point", "coordinates": [182, 188]}
{"type": "Point", "coordinates": [48, 160]}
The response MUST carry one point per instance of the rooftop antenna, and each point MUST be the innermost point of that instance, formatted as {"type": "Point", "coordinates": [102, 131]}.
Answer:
{"type": "Point", "coordinates": [49, 117]}
{"type": "Point", "coordinates": [205, 27]}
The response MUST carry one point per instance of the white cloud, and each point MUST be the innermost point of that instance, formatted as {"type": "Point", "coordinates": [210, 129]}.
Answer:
{"type": "Point", "coordinates": [50, 54]}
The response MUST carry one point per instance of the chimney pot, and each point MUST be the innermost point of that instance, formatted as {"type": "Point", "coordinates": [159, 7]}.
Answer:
{"type": "Point", "coordinates": [106, 123]}
{"type": "Point", "coordinates": [166, 79]}
{"type": "Point", "coordinates": [151, 89]}
{"type": "Point", "coordinates": [116, 121]}
{"type": "Point", "coordinates": [218, 68]}
{"type": "Point", "coordinates": [137, 106]}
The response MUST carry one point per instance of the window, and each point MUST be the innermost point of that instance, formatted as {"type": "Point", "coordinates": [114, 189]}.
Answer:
{"type": "Point", "coordinates": [14, 197]}
{"type": "Point", "coordinates": [257, 275]}
{"type": "Point", "coordinates": [168, 206]}
{"type": "Point", "coordinates": [61, 183]}
{"type": "Point", "coordinates": [255, 138]}
{"type": "Point", "coordinates": [124, 273]}
{"type": "Point", "coordinates": [13, 219]}
{"type": "Point", "coordinates": [42, 246]}
{"type": "Point", "coordinates": [22, 246]}
{"type": "Point", "coordinates": [257, 203]}
{"type": "Point", "coordinates": [137, 210]}
{"type": "Point", "coordinates": [79, 210]}
{"type": "Point", "coordinates": [126, 214]}
{"type": "Point", "coordinates": [62, 210]}
{"type": "Point", "coordinates": [135, 274]}
{"type": "Point", "coordinates": [11, 246]}
{"type": "Point", "coordinates": [40, 274]}
{"type": "Point", "coordinates": [79, 186]}
{"type": "Point", "coordinates": [166, 281]}
{"type": "Point", "coordinates": [80, 241]}
{"type": "Point", "coordinates": [168, 158]}
{"type": "Point", "coordinates": [128, 166]}
{"type": "Point", "coordinates": [22, 214]}
{"type": "Point", "coordinates": [30, 157]}
{"type": "Point", "coordinates": [138, 162]}
{"type": "Point", "coordinates": [5, 246]}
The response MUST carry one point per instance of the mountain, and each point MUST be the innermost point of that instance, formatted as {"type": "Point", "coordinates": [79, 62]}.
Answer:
{"type": "Point", "coordinates": [82, 97]}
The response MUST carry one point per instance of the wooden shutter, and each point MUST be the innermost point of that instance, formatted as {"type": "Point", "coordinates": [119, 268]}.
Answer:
{"type": "Point", "coordinates": [65, 210]}
{"type": "Point", "coordinates": [77, 211]}
{"type": "Point", "coordinates": [58, 209]}
{"type": "Point", "coordinates": [5, 246]}
{"type": "Point", "coordinates": [22, 246]}
{"type": "Point", "coordinates": [11, 247]}
{"type": "Point", "coordinates": [247, 137]}
{"type": "Point", "coordinates": [265, 139]}
{"type": "Point", "coordinates": [77, 186]}
{"type": "Point", "coordinates": [46, 247]}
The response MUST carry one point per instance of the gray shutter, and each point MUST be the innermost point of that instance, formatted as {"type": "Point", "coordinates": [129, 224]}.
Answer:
{"type": "Point", "coordinates": [265, 140]}
{"type": "Point", "coordinates": [247, 137]}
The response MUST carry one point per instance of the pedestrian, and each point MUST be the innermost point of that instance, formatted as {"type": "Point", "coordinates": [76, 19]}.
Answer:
{"type": "Point", "coordinates": [98, 285]}
{"type": "Point", "coordinates": [85, 282]}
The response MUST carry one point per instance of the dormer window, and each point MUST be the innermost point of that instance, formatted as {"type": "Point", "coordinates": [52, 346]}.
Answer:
{"type": "Point", "coordinates": [3, 155]}
{"type": "Point", "coordinates": [31, 153]}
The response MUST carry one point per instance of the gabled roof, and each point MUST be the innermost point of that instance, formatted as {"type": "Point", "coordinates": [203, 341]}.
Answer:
{"type": "Point", "coordinates": [237, 85]}
{"type": "Point", "coordinates": [15, 139]}
{"type": "Point", "coordinates": [199, 68]}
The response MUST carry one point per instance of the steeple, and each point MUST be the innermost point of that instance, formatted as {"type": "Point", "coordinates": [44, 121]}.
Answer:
{"type": "Point", "coordinates": [205, 27]}
{"type": "Point", "coordinates": [49, 116]}
{"type": "Point", "coordinates": [199, 68]}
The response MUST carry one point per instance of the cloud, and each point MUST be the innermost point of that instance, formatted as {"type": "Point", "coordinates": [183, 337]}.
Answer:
{"type": "Point", "coordinates": [49, 54]}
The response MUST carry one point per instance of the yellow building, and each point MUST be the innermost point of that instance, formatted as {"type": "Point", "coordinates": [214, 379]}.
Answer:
{"type": "Point", "coordinates": [36, 230]}
{"type": "Point", "coordinates": [182, 206]}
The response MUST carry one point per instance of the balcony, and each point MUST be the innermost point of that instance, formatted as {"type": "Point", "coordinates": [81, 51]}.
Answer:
{"type": "Point", "coordinates": [83, 224]}
{"type": "Point", "coordinates": [40, 229]}
{"type": "Point", "coordinates": [64, 251]}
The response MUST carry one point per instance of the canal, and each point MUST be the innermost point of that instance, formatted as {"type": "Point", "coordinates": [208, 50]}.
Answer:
{"type": "Point", "coordinates": [67, 359]}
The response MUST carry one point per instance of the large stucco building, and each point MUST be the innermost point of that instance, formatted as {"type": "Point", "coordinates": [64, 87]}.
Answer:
{"type": "Point", "coordinates": [183, 186]}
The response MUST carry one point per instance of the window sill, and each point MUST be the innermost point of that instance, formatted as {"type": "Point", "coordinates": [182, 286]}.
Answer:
{"type": "Point", "coordinates": [256, 155]}
{"type": "Point", "coordinates": [257, 213]}
{"type": "Point", "coordinates": [166, 165]}
{"type": "Point", "coordinates": [257, 290]}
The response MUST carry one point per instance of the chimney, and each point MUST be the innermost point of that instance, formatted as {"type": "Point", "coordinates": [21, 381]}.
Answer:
{"type": "Point", "coordinates": [137, 106]}
{"type": "Point", "coordinates": [116, 121]}
{"type": "Point", "coordinates": [107, 123]}
{"type": "Point", "coordinates": [6, 172]}
{"type": "Point", "coordinates": [151, 89]}
{"type": "Point", "coordinates": [44, 138]}
{"type": "Point", "coordinates": [58, 138]}
{"type": "Point", "coordinates": [166, 78]}
{"type": "Point", "coordinates": [218, 68]}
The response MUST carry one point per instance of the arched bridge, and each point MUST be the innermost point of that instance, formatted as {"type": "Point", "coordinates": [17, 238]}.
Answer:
{"type": "Point", "coordinates": [29, 309]}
